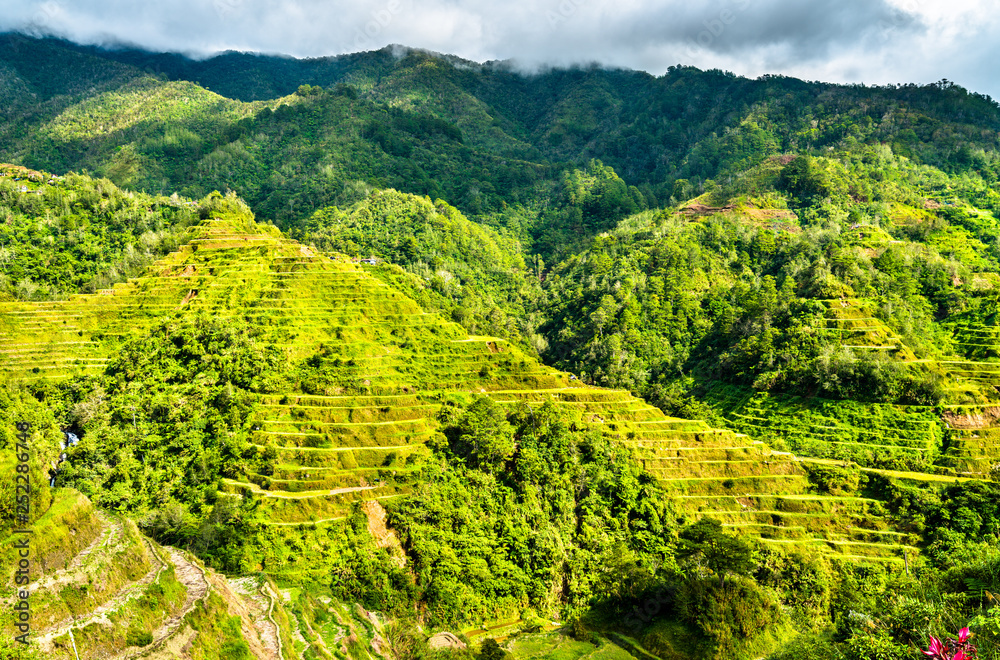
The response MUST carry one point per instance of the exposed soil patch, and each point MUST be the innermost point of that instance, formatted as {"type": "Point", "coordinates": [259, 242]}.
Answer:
{"type": "Point", "coordinates": [250, 603]}
{"type": "Point", "coordinates": [445, 640]}
{"type": "Point", "coordinates": [771, 214]}
{"type": "Point", "coordinates": [195, 581]}
{"type": "Point", "coordinates": [978, 419]}
{"type": "Point", "coordinates": [189, 271]}
{"type": "Point", "coordinates": [698, 209]}
{"type": "Point", "coordinates": [380, 531]}
{"type": "Point", "coordinates": [99, 615]}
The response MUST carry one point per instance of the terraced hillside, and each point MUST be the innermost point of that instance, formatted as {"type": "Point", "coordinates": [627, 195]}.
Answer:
{"type": "Point", "coordinates": [100, 589]}
{"type": "Point", "coordinates": [873, 435]}
{"type": "Point", "coordinates": [971, 374]}
{"type": "Point", "coordinates": [976, 340]}
{"type": "Point", "coordinates": [356, 428]}
{"type": "Point", "coordinates": [973, 442]}
{"type": "Point", "coordinates": [854, 324]}
{"type": "Point", "coordinates": [954, 438]}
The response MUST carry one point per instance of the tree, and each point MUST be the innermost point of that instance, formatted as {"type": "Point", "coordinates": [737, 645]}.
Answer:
{"type": "Point", "coordinates": [484, 435]}
{"type": "Point", "coordinates": [801, 178]}
{"type": "Point", "coordinates": [720, 552]}
{"type": "Point", "coordinates": [490, 650]}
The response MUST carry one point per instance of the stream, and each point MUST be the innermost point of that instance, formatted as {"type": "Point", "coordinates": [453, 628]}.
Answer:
{"type": "Point", "coordinates": [69, 440]}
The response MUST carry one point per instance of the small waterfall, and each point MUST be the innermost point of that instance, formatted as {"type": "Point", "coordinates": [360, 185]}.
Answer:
{"type": "Point", "coordinates": [69, 440]}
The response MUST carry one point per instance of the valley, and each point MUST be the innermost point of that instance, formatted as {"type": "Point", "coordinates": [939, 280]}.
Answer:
{"type": "Point", "coordinates": [471, 363]}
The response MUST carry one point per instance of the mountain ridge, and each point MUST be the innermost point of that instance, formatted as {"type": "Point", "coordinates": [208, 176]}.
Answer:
{"type": "Point", "coordinates": [762, 422]}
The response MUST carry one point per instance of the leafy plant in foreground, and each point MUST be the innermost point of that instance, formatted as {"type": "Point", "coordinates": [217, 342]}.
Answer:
{"type": "Point", "coordinates": [952, 649]}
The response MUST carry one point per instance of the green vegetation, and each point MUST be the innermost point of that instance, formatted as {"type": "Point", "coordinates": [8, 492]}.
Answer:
{"type": "Point", "coordinates": [564, 508]}
{"type": "Point", "coordinates": [25, 404]}
{"type": "Point", "coordinates": [295, 136]}
{"type": "Point", "coordinates": [470, 273]}
{"type": "Point", "coordinates": [218, 634]}
{"type": "Point", "coordinates": [69, 234]}
{"type": "Point", "coordinates": [556, 498]}
{"type": "Point", "coordinates": [838, 298]}
{"type": "Point", "coordinates": [878, 435]}
{"type": "Point", "coordinates": [469, 433]}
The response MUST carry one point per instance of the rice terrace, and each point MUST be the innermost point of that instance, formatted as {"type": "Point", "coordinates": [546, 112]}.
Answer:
{"type": "Point", "coordinates": [404, 355]}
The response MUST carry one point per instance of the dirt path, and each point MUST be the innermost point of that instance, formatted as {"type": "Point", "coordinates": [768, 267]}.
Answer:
{"type": "Point", "coordinates": [195, 582]}
{"type": "Point", "coordinates": [296, 524]}
{"type": "Point", "coordinates": [273, 640]}
{"type": "Point", "coordinates": [316, 493]}
{"type": "Point", "coordinates": [110, 530]}
{"type": "Point", "coordinates": [259, 603]}
{"type": "Point", "coordinates": [304, 495]}
{"type": "Point", "coordinates": [99, 614]}
{"type": "Point", "coordinates": [341, 449]}
{"type": "Point", "coordinates": [188, 574]}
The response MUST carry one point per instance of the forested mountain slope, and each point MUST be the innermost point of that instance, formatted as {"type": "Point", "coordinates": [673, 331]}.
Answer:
{"type": "Point", "coordinates": [593, 362]}
{"type": "Point", "coordinates": [484, 137]}
{"type": "Point", "coordinates": [67, 234]}
{"type": "Point", "coordinates": [280, 411]}
{"type": "Point", "coordinates": [312, 386]}
{"type": "Point", "coordinates": [859, 254]}
{"type": "Point", "coordinates": [98, 588]}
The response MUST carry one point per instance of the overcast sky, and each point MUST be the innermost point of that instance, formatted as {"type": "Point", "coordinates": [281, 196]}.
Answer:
{"type": "Point", "coordinates": [871, 41]}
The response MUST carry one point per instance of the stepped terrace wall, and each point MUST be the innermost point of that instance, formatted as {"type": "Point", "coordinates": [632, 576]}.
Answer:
{"type": "Point", "coordinates": [353, 417]}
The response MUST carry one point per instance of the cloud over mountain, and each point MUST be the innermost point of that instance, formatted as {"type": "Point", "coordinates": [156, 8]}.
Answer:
{"type": "Point", "coordinates": [839, 41]}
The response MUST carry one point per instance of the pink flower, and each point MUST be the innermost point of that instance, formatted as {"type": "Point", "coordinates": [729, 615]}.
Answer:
{"type": "Point", "coordinates": [953, 649]}
{"type": "Point", "coordinates": [936, 648]}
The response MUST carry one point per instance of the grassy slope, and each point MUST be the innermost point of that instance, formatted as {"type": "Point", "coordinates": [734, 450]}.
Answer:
{"type": "Point", "coordinates": [353, 421]}
{"type": "Point", "coordinates": [590, 115]}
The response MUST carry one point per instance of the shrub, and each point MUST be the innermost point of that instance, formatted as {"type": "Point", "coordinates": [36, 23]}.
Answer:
{"type": "Point", "coordinates": [235, 650]}
{"type": "Point", "coordinates": [490, 650]}
{"type": "Point", "coordinates": [834, 480]}
{"type": "Point", "coordinates": [732, 615]}
{"type": "Point", "coordinates": [137, 637]}
{"type": "Point", "coordinates": [877, 646]}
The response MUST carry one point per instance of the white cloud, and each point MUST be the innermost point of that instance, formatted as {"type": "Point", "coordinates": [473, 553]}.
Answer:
{"type": "Point", "coordinates": [872, 41]}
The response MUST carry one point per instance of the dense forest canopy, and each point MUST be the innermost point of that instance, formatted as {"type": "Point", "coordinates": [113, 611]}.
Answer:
{"type": "Point", "coordinates": [484, 137]}
{"type": "Point", "coordinates": [774, 304]}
